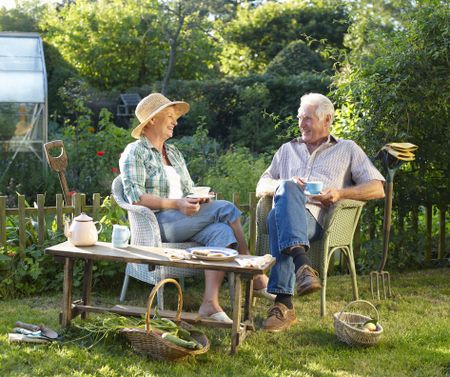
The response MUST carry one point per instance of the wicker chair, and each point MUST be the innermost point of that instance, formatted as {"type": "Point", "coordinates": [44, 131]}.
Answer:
{"type": "Point", "coordinates": [339, 228]}
{"type": "Point", "coordinates": [145, 232]}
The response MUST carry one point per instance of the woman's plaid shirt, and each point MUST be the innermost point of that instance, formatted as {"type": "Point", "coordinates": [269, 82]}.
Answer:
{"type": "Point", "coordinates": [142, 170]}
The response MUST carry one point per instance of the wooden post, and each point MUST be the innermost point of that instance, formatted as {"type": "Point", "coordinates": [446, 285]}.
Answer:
{"type": "Point", "coordinates": [96, 205]}
{"type": "Point", "coordinates": [59, 212]}
{"type": "Point", "coordinates": [2, 221]}
{"type": "Point", "coordinates": [252, 200]}
{"type": "Point", "coordinates": [76, 200]}
{"type": "Point", "coordinates": [441, 249]}
{"type": "Point", "coordinates": [41, 218]}
{"type": "Point", "coordinates": [22, 232]}
{"type": "Point", "coordinates": [429, 223]}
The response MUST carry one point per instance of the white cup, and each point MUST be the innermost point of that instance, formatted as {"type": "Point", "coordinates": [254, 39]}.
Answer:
{"type": "Point", "coordinates": [201, 191]}
{"type": "Point", "coordinates": [120, 236]}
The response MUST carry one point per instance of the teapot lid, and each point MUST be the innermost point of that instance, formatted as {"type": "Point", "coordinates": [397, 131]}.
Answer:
{"type": "Point", "coordinates": [83, 217]}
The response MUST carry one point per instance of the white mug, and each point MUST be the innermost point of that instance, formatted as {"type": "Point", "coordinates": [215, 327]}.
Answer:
{"type": "Point", "coordinates": [120, 236]}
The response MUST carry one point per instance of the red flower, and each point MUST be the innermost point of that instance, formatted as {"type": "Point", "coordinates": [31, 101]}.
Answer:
{"type": "Point", "coordinates": [10, 254]}
{"type": "Point", "coordinates": [72, 193]}
{"type": "Point", "coordinates": [100, 153]}
{"type": "Point", "coordinates": [114, 170]}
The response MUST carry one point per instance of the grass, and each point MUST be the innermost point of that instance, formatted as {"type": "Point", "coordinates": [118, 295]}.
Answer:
{"type": "Point", "coordinates": [416, 338]}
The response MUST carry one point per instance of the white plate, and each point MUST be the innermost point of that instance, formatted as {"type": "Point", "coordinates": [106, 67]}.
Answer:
{"type": "Point", "coordinates": [195, 196]}
{"type": "Point", "coordinates": [227, 254]}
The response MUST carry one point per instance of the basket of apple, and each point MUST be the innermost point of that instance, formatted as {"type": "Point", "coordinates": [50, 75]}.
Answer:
{"type": "Point", "coordinates": [358, 329]}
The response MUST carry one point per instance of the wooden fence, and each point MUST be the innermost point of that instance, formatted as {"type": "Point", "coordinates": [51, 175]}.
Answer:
{"type": "Point", "coordinates": [39, 211]}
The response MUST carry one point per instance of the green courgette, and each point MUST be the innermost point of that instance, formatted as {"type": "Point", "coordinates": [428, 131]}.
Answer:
{"type": "Point", "coordinates": [181, 342]}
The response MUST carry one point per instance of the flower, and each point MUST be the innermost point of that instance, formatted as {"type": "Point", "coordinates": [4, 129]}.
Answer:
{"type": "Point", "coordinates": [72, 193]}
{"type": "Point", "coordinates": [100, 153]}
{"type": "Point", "coordinates": [114, 170]}
{"type": "Point", "coordinates": [10, 254]}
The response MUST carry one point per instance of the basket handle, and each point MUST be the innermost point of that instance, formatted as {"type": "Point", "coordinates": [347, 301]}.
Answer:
{"type": "Point", "coordinates": [356, 302]}
{"type": "Point", "coordinates": [152, 296]}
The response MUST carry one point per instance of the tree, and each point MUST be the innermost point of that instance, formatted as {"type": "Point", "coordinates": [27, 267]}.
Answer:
{"type": "Point", "coordinates": [257, 35]}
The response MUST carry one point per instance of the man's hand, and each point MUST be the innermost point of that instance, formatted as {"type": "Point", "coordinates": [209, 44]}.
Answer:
{"type": "Point", "coordinates": [188, 206]}
{"type": "Point", "coordinates": [301, 182]}
{"type": "Point", "coordinates": [327, 197]}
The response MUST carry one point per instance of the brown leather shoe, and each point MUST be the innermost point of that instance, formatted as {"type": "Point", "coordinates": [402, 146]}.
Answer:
{"type": "Point", "coordinates": [308, 281]}
{"type": "Point", "coordinates": [279, 318]}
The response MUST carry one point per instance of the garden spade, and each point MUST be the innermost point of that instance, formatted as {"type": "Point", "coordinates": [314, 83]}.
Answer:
{"type": "Point", "coordinates": [392, 157]}
{"type": "Point", "coordinates": [59, 164]}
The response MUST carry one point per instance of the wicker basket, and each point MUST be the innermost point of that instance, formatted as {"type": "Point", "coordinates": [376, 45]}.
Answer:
{"type": "Point", "coordinates": [346, 330]}
{"type": "Point", "coordinates": [150, 342]}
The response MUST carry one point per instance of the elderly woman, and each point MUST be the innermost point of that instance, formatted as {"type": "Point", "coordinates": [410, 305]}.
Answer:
{"type": "Point", "coordinates": [155, 175]}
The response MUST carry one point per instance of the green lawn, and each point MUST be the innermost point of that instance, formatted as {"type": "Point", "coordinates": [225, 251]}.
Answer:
{"type": "Point", "coordinates": [416, 338]}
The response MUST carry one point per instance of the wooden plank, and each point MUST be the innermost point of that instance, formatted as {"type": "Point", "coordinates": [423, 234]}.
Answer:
{"type": "Point", "coordinates": [137, 311]}
{"type": "Point", "coordinates": [96, 206]}
{"type": "Point", "coordinates": [41, 218]}
{"type": "Point", "coordinates": [76, 200]}
{"type": "Point", "coordinates": [441, 247]}
{"type": "Point", "coordinates": [2, 221]}
{"type": "Point", "coordinates": [253, 201]}
{"type": "Point", "coordinates": [67, 293]}
{"type": "Point", "coordinates": [87, 285]}
{"type": "Point", "coordinates": [149, 255]}
{"type": "Point", "coordinates": [235, 328]}
{"type": "Point", "coordinates": [429, 224]}
{"type": "Point", "coordinates": [21, 214]}
{"type": "Point", "coordinates": [59, 212]}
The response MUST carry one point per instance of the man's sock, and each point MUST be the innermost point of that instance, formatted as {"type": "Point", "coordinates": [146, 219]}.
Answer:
{"type": "Point", "coordinates": [300, 257]}
{"type": "Point", "coordinates": [284, 299]}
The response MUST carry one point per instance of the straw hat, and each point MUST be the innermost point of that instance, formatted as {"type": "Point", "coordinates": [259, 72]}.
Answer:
{"type": "Point", "coordinates": [152, 105]}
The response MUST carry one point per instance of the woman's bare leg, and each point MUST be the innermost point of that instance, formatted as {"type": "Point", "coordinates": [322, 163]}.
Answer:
{"type": "Point", "coordinates": [210, 304]}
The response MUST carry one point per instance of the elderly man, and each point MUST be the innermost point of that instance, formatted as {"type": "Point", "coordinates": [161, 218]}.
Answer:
{"type": "Point", "coordinates": [295, 219]}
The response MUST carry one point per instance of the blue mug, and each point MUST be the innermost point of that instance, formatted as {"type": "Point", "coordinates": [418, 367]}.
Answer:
{"type": "Point", "coordinates": [314, 187]}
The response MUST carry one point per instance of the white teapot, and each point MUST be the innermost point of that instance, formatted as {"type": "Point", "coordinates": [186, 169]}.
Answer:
{"type": "Point", "coordinates": [82, 231]}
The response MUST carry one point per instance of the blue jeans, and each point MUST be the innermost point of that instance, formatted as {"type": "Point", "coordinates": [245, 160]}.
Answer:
{"type": "Point", "coordinates": [290, 224]}
{"type": "Point", "coordinates": [209, 226]}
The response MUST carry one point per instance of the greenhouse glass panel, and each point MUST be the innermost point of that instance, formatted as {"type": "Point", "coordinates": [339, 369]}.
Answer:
{"type": "Point", "coordinates": [23, 104]}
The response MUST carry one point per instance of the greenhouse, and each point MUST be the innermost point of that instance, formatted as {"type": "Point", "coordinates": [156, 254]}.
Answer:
{"type": "Point", "coordinates": [23, 100]}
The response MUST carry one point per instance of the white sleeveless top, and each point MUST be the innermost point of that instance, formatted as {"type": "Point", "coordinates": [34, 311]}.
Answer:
{"type": "Point", "coordinates": [174, 179]}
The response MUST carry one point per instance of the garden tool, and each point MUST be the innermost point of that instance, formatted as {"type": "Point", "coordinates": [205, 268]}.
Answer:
{"type": "Point", "coordinates": [59, 164]}
{"type": "Point", "coordinates": [392, 156]}
{"type": "Point", "coordinates": [45, 331]}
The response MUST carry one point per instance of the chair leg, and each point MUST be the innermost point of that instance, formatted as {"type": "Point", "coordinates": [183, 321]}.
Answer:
{"type": "Point", "coordinates": [351, 265]}
{"type": "Point", "coordinates": [323, 278]}
{"type": "Point", "coordinates": [123, 293]}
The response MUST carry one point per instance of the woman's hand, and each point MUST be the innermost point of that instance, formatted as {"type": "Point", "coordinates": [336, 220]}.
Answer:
{"type": "Point", "coordinates": [188, 206]}
{"type": "Point", "coordinates": [301, 182]}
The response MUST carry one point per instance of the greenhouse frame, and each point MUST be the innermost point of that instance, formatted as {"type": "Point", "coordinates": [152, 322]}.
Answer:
{"type": "Point", "coordinates": [23, 98]}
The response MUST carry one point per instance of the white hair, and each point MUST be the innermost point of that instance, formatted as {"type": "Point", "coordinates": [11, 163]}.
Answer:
{"type": "Point", "coordinates": [324, 105]}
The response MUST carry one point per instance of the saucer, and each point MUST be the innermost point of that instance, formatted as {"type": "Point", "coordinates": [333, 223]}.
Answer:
{"type": "Point", "coordinates": [307, 193]}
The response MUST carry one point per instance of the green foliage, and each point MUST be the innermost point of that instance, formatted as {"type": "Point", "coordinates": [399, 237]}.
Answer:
{"type": "Point", "coordinates": [257, 35]}
{"type": "Point", "coordinates": [30, 271]}
{"type": "Point", "coordinates": [93, 156]}
{"type": "Point", "coordinates": [295, 58]}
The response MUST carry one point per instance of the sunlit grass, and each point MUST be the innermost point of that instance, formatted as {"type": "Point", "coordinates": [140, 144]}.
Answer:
{"type": "Point", "coordinates": [416, 339]}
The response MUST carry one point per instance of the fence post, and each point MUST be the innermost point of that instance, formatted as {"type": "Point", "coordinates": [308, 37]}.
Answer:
{"type": "Point", "coordinates": [2, 221]}
{"type": "Point", "coordinates": [41, 218]}
{"type": "Point", "coordinates": [76, 201]}
{"type": "Point", "coordinates": [22, 232]}
{"type": "Point", "coordinates": [441, 248]}
{"type": "Point", "coordinates": [59, 212]}
{"type": "Point", "coordinates": [95, 205]}
{"type": "Point", "coordinates": [429, 222]}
